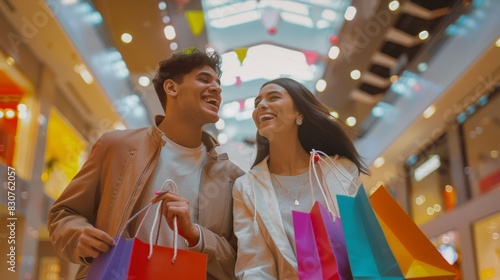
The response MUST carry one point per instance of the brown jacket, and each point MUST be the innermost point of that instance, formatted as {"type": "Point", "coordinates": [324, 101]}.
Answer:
{"type": "Point", "coordinates": [106, 189]}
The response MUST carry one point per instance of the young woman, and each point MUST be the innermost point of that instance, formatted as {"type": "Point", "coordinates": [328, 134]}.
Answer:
{"type": "Point", "coordinates": [291, 123]}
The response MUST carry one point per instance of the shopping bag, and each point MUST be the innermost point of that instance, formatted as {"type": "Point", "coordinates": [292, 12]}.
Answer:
{"type": "Point", "coordinates": [415, 254]}
{"type": "Point", "coordinates": [135, 259]}
{"type": "Point", "coordinates": [187, 265]}
{"type": "Point", "coordinates": [370, 255]}
{"type": "Point", "coordinates": [308, 261]}
{"type": "Point", "coordinates": [330, 240]}
{"type": "Point", "coordinates": [320, 245]}
{"type": "Point", "coordinates": [114, 263]}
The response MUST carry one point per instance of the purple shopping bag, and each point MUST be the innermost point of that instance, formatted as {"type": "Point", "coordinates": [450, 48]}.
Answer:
{"type": "Point", "coordinates": [114, 263]}
{"type": "Point", "coordinates": [330, 239]}
{"type": "Point", "coordinates": [320, 245]}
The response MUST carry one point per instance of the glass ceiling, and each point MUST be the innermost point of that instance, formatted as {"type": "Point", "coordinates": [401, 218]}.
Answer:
{"type": "Point", "coordinates": [268, 39]}
{"type": "Point", "coordinates": [295, 34]}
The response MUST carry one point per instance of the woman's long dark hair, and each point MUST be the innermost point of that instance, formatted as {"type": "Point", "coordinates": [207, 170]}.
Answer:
{"type": "Point", "coordinates": [318, 131]}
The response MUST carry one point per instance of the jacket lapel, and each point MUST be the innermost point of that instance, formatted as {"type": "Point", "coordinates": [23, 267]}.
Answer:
{"type": "Point", "coordinates": [267, 209]}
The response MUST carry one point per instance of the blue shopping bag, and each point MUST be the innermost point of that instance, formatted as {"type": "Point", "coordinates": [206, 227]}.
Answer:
{"type": "Point", "coordinates": [370, 255]}
{"type": "Point", "coordinates": [114, 263]}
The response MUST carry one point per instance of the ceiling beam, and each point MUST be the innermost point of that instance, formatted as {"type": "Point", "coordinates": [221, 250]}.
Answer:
{"type": "Point", "coordinates": [421, 12]}
{"type": "Point", "coordinates": [402, 38]}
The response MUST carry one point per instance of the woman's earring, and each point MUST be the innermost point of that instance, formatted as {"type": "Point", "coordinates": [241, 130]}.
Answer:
{"type": "Point", "coordinates": [298, 121]}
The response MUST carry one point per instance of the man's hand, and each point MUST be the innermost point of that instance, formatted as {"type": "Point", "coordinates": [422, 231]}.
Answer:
{"type": "Point", "coordinates": [93, 242]}
{"type": "Point", "coordinates": [177, 205]}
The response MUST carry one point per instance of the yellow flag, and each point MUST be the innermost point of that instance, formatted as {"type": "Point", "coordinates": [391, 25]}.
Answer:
{"type": "Point", "coordinates": [196, 21]}
{"type": "Point", "coordinates": [241, 53]}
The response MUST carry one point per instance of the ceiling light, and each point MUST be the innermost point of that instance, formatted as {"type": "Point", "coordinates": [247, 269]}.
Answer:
{"type": "Point", "coordinates": [351, 121]}
{"type": "Point", "coordinates": [422, 67]}
{"type": "Point", "coordinates": [9, 113]}
{"type": "Point", "coordinates": [379, 162]}
{"type": "Point", "coordinates": [22, 107]}
{"type": "Point", "coordinates": [291, 6]}
{"type": "Point", "coordinates": [321, 85]}
{"type": "Point", "coordinates": [448, 188]}
{"type": "Point", "coordinates": [419, 200]}
{"type": "Point", "coordinates": [334, 52]}
{"type": "Point", "coordinates": [394, 5]}
{"type": "Point", "coordinates": [84, 73]}
{"type": "Point", "coordinates": [378, 111]}
{"type": "Point", "coordinates": [355, 74]}
{"type": "Point", "coordinates": [321, 24]}
{"type": "Point", "coordinates": [238, 19]}
{"type": "Point", "coordinates": [437, 207]}
{"type": "Point", "coordinates": [169, 32]}
{"type": "Point", "coordinates": [144, 81]}
{"type": "Point", "coordinates": [220, 124]}
{"type": "Point", "coordinates": [222, 138]}
{"type": "Point", "coordinates": [350, 12]}
{"type": "Point", "coordinates": [22, 115]}
{"type": "Point", "coordinates": [230, 110]}
{"type": "Point", "coordinates": [494, 154]}
{"type": "Point", "coordinates": [423, 35]}
{"type": "Point", "coordinates": [68, 2]}
{"type": "Point", "coordinates": [126, 38]}
{"type": "Point", "coordinates": [223, 8]}
{"type": "Point", "coordinates": [427, 168]}
{"type": "Point", "coordinates": [94, 18]}
{"type": "Point", "coordinates": [174, 46]}
{"type": "Point", "coordinates": [329, 15]}
{"type": "Point", "coordinates": [429, 112]}
{"type": "Point", "coordinates": [334, 114]}
{"type": "Point", "coordinates": [297, 19]}
{"type": "Point", "coordinates": [165, 19]}
{"type": "Point", "coordinates": [10, 60]}
{"type": "Point", "coordinates": [162, 6]}
{"type": "Point", "coordinates": [1, 113]}
{"type": "Point", "coordinates": [497, 43]}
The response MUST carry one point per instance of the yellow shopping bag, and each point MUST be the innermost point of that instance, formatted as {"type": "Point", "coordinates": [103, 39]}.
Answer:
{"type": "Point", "coordinates": [415, 254]}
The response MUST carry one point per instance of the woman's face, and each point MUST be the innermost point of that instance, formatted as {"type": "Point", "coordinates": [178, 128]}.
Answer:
{"type": "Point", "coordinates": [275, 112]}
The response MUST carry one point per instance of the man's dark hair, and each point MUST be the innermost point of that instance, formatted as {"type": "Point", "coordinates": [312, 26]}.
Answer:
{"type": "Point", "coordinates": [180, 64]}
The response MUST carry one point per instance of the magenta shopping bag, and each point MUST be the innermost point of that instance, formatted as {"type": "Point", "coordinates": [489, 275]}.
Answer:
{"type": "Point", "coordinates": [320, 245]}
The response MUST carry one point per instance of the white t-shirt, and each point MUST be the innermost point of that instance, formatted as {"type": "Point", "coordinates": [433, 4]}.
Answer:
{"type": "Point", "coordinates": [183, 166]}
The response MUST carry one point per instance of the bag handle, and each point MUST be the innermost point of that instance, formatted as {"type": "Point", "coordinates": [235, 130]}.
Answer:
{"type": "Point", "coordinates": [168, 184]}
{"type": "Point", "coordinates": [316, 156]}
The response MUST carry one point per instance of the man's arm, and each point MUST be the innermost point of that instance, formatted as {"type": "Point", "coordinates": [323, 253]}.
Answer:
{"type": "Point", "coordinates": [71, 218]}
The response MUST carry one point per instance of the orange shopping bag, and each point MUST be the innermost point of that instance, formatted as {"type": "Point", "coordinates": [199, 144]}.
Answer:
{"type": "Point", "coordinates": [415, 254]}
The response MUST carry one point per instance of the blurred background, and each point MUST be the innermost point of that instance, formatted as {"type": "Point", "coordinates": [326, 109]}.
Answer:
{"type": "Point", "coordinates": [415, 81]}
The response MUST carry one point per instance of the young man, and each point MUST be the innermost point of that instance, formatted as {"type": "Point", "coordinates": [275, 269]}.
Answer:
{"type": "Point", "coordinates": [126, 168]}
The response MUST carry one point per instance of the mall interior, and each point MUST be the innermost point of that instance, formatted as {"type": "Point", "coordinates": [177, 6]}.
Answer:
{"type": "Point", "coordinates": [415, 82]}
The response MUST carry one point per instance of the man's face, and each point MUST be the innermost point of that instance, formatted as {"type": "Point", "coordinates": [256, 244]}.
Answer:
{"type": "Point", "coordinates": [198, 96]}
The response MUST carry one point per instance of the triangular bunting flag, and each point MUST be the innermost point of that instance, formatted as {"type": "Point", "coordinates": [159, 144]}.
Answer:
{"type": "Point", "coordinates": [311, 57]}
{"type": "Point", "coordinates": [196, 21]}
{"type": "Point", "coordinates": [241, 53]}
